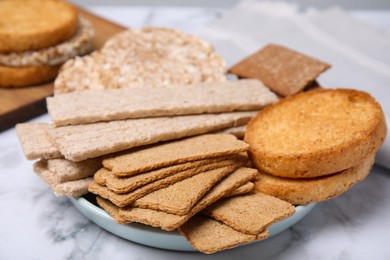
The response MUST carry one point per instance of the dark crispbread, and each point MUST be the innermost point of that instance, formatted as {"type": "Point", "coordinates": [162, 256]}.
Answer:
{"type": "Point", "coordinates": [181, 196]}
{"type": "Point", "coordinates": [302, 191]}
{"type": "Point", "coordinates": [139, 102]}
{"type": "Point", "coordinates": [186, 150]}
{"type": "Point", "coordinates": [126, 199]}
{"type": "Point", "coordinates": [283, 70]}
{"type": "Point", "coordinates": [171, 222]}
{"type": "Point", "coordinates": [251, 213]}
{"type": "Point", "coordinates": [316, 133]}
{"type": "Point", "coordinates": [210, 236]}
{"type": "Point", "coordinates": [80, 142]}
{"type": "Point", "coordinates": [11, 77]}
{"type": "Point", "coordinates": [35, 144]}
{"type": "Point", "coordinates": [35, 24]}
{"type": "Point", "coordinates": [126, 184]}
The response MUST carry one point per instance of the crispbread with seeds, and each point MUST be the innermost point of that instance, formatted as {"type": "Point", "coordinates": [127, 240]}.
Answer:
{"type": "Point", "coordinates": [210, 236]}
{"type": "Point", "coordinates": [12, 77]}
{"type": "Point", "coordinates": [79, 44]}
{"type": "Point", "coordinates": [171, 153]}
{"type": "Point", "coordinates": [140, 102]}
{"type": "Point", "coordinates": [74, 188]}
{"type": "Point", "coordinates": [154, 57]}
{"type": "Point", "coordinates": [302, 191]}
{"type": "Point", "coordinates": [316, 133]}
{"type": "Point", "coordinates": [123, 200]}
{"type": "Point", "coordinates": [32, 25]}
{"type": "Point", "coordinates": [81, 142]}
{"type": "Point", "coordinates": [283, 70]}
{"type": "Point", "coordinates": [126, 184]}
{"type": "Point", "coordinates": [66, 170]}
{"type": "Point", "coordinates": [34, 142]}
{"type": "Point", "coordinates": [251, 213]}
{"type": "Point", "coordinates": [171, 222]}
{"type": "Point", "coordinates": [181, 196]}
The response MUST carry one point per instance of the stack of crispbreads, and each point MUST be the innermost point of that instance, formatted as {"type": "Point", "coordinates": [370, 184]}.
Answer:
{"type": "Point", "coordinates": [37, 37]}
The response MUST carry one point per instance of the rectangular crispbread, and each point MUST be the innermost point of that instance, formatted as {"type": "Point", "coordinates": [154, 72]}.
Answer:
{"type": "Point", "coordinates": [243, 189]}
{"type": "Point", "coordinates": [74, 188]}
{"type": "Point", "coordinates": [34, 141]}
{"type": "Point", "coordinates": [238, 131]}
{"type": "Point", "coordinates": [65, 170]}
{"type": "Point", "coordinates": [181, 196]}
{"type": "Point", "coordinates": [122, 200]}
{"type": "Point", "coordinates": [169, 222]}
{"type": "Point", "coordinates": [210, 236]}
{"type": "Point", "coordinates": [126, 184]}
{"type": "Point", "coordinates": [140, 102]}
{"type": "Point", "coordinates": [250, 213]}
{"type": "Point", "coordinates": [81, 142]}
{"type": "Point", "coordinates": [186, 150]}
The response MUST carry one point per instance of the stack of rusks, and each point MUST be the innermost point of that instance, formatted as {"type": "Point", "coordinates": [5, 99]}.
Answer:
{"type": "Point", "coordinates": [151, 126]}
{"type": "Point", "coordinates": [39, 39]}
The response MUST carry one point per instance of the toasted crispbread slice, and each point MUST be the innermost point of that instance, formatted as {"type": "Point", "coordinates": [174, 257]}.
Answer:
{"type": "Point", "coordinates": [243, 189]}
{"type": "Point", "coordinates": [79, 44]}
{"type": "Point", "coordinates": [283, 70]}
{"type": "Point", "coordinates": [12, 77]}
{"type": "Point", "coordinates": [175, 152]}
{"type": "Point", "coordinates": [210, 236]}
{"type": "Point", "coordinates": [251, 213]}
{"type": "Point", "coordinates": [316, 133]}
{"type": "Point", "coordinates": [302, 191]}
{"type": "Point", "coordinates": [35, 24]}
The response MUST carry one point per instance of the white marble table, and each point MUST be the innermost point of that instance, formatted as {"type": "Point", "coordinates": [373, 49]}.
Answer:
{"type": "Point", "coordinates": [37, 225]}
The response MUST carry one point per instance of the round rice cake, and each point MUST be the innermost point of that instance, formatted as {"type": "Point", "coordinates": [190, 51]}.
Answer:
{"type": "Point", "coordinates": [11, 77]}
{"type": "Point", "coordinates": [27, 25]}
{"type": "Point", "coordinates": [79, 44]}
{"type": "Point", "coordinates": [316, 133]}
{"type": "Point", "coordinates": [303, 191]}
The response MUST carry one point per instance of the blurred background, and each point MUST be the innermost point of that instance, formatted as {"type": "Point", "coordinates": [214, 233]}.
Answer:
{"type": "Point", "coordinates": [347, 4]}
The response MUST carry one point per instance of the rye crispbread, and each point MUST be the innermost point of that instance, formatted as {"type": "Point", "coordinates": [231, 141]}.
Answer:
{"type": "Point", "coordinates": [32, 25]}
{"type": "Point", "coordinates": [122, 200]}
{"type": "Point", "coordinates": [175, 152]}
{"type": "Point", "coordinates": [155, 57]}
{"type": "Point", "coordinates": [210, 236]}
{"type": "Point", "coordinates": [243, 189]}
{"type": "Point", "coordinates": [126, 184]}
{"type": "Point", "coordinates": [73, 188]}
{"type": "Point", "coordinates": [12, 77]}
{"type": "Point", "coordinates": [81, 142]}
{"type": "Point", "coordinates": [316, 133]}
{"type": "Point", "coordinates": [34, 142]}
{"type": "Point", "coordinates": [79, 44]}
{"type": "Point", "coordinates": [180, 197]}
{"type": "Point", "coordinates": [251, 213]}
{"type": "Point", "coordinates": [140, 102]}
{"type": "Point", "coordinates": [171, 222]}
{"type": "Point", "coordinates": [303, 191]}
{"type": "Point", "coordinates": [283, 70]}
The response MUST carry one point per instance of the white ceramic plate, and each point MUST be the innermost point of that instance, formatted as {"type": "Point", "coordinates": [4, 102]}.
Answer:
{"type": "Point", "coordinates": [156, 237]}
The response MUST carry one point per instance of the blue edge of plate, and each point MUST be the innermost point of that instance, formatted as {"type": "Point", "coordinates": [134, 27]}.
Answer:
{"type": "Point", "coordinates": [155, 237]}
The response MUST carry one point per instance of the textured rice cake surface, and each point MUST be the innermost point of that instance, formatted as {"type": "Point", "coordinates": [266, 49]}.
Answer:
{"type": "Point", "coordinates": [34, 141]}
{"type": "Point", "coordinates": [283, 70]}
{"type": "Point", "coordinates": [81, 142]}
{"type": "Point", "coordinates": [251, 213]}
{"type": "Point", "coordinates": [210, 236]}
{"type": "Point", "coordinates": [35, 24]}
{"type": "Point", "coordinates": [140, 102]}
{"type": "Point", "coordinates": [303, 191]}
{"type": "Point", "coordinates": [316, 133]}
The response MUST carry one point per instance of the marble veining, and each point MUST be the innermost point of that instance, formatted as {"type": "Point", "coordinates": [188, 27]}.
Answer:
{"type": "Point", "coordinates": [38, 225]}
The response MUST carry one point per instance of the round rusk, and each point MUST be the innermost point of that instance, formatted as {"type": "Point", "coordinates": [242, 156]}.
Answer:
{"type": "Point", "coordinates": [316, 133]}
{"type": "Point", "coordinates": [27, 25]}
{"type": "Point", "coordinates": [302, 191]}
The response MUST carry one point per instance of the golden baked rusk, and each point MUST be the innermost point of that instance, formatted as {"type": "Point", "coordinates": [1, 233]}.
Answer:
{"type": "Point", "coordinates": [316, 133]}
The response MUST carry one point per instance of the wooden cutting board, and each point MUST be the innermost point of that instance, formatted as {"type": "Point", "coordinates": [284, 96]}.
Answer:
{"type": "Point", "coordinates": [20, 104]}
